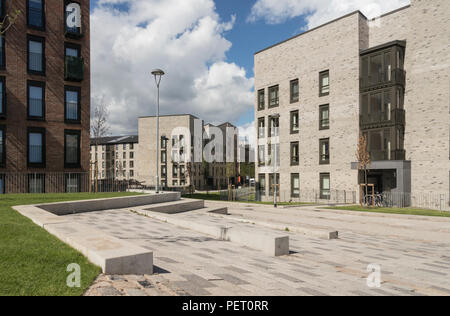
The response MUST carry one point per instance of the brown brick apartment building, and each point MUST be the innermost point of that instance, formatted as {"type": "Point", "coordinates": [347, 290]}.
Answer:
{"type": "Point", "coordinates": [45, 89]}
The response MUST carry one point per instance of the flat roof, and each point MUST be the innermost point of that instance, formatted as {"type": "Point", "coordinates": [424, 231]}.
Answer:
{"type": "Point", "coordinates": [114, 140]}
{"type": "Point", "coordinates": [382, 46]}
{"type": "Point", "coordinates": [332, 21]}
{"type": "Point", "coordinates": [169, 115]}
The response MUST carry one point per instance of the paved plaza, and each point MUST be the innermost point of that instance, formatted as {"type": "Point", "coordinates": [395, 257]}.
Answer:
{"type": "Point", "coordinates": [413, 252]}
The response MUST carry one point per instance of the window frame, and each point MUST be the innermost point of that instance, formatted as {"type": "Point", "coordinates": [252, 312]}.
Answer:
{"type": "Point", "coordinates": [295, 163]}
{"type": "Point", "coordinates": [3, 139]}
{"type": "Point", "coordinates": [293, 175]}
{"type": "Point", "coordinates": [78, 163]}
{"type": "Point", "coordinates": [326, 161]}
{"type": "Point", "coordinates": [43, 132]}
{"type": "Point", "coordinates": [40, 84]}
{"type": "Point", "coordinates": [263, 106]}
{"type": "Point", "coordinates": [33, 38]}
{"type": "Point", "coordinates": [34, 27]}
{"type": "Point", "coordinates": [3, 96]}
{"type": "Point", "coordinates": [291, 85]}
{"type": "Point", "coordinates": [321, 119]}
{"type": "Point", "coordinates": [277, 87]}
{"type": "Point", "coordinates": [322, 195]}
{"type": "Point", "coordinates": [78, 91]}
{"type": "Point", "coordinates": [3, 52]}
{"type": "Point", "coordinates": [263, 161]}
{"type": "Point", "coordinates": [292, 122]}
{"type": "Point", "coordinates": [72, 46]}
{"type": "Point", "coordinates": [263, 133]}
{"type": "Point", "coordinates": [321, 75]}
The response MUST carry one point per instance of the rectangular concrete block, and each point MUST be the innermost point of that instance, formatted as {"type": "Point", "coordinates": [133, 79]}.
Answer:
{"type": "Point", "coordinates": [176, 207]}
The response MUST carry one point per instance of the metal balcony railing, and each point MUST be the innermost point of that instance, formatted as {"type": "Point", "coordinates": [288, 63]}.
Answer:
{"type": "Point", "coordinates": [381, 119]}
{"type": "Point", "coordinates": [380, 155]}
{"type": "Point", "coordinates": [74, 68]}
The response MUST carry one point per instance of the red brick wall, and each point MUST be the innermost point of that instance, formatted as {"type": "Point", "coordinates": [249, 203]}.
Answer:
{"type": "Point", "coordinates": [16, 88]}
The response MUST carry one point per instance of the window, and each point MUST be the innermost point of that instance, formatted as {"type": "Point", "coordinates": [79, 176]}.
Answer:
{"type": "Point", "coordinates": [261, 127]}
{"type": "Point", "coordinates": [175, 171]}
{"type": "Point", "coordinates": [164, 157]}
{"type": "Point", "coordinates": [163, 142]}
{"type": "Point", "coordinates": [131, 164]}
{"type": "Point", "coordinates": [274, 124]}
{"type": "Point", "coordinates": [274, 96]}
{"type": "Point", "coordinates": [2, 8]}
{"type": "Point", "coordinates": [36, 14]}
{"type": "Point", "coordinates": [261, 100]}
{"type": "Point", "coordinates": [2, 52]}
{"type": "Point", "coordinates": [72, 149]}
{"type": "Point", "coordinates": [164, 171]}
{"type": "Point", "coordinates": [262, 184]}
{"type": "Point", "coordinates": [325, 151]}
{"type": "Point", "coordinates": [324, 83]}
{"type": "Point", "coordinates": [36, 147]}
{"type": "Point", "coordinates": [272, 184]}
{"type": "Point", "coordinates": [36, 55]}
{"type": "Point", "coordinates": [295, 185]}
{"type": "Point", "coordinates": [175, 183]}
{"type": "Point", "coordinates": [132, 155]}
{"type": "Point", "coordinates": [36, 100]}
{"type": "Point", "coordinates": [72, 183]}
{"type": "Point", "coordinates": [2, 96]}
{"type": "Point", "coordinates": [72, 50]}
{"type": "Point", "coordinates": [324, 117]}
{"type": "Point", "coordinates": [72, 106]}
{"type": "Point", "coordinates": [294, 91]}
{"type": "Point", "coordinates": [132, 146]}
{"type": "Point", "coordinates": [2, 146]}
{"type": "Point", "coordinates": [295, 127]}
{"type": "Point", "coordinates": [275, 154]}
{"type": "Point", "coordinates": [325, 188]}
{"type": "Point", "coordinates": [36, 183]}
{"type": "Point", "coordinates": [294, 154]}
{"type": "Point", "coordinates": [2, 184]}
{"type": "Point", "coordinates": [124, 155]}
{"type": "Point", "coordinates": [261, 155]}
{"type": "Point", "coordinates": [131, 173]}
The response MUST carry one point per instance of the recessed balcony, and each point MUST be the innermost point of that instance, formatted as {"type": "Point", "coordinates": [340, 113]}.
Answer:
{"type": "Point", "coordinates": [74, 69]}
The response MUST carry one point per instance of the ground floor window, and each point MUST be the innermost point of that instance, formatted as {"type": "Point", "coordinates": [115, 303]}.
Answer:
{"type": "Point", "coordinates": [262, 184]}
{"type": "Point", "coordinates": [36, 183]}
{"type": "Point", "coordinates": [272, 184]}
{"type": "Point", "coordinates": [72, 183]}
{"type": "Point", "coordinates": [72, 151]}
{"type": "Point", "coordinates": [325, 188]}
{"type": "Point", "coordinates": [295, 185]}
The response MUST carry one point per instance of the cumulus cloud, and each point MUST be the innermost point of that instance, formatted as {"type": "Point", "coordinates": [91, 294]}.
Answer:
{"type": "Point", "coordinates": [247, 134]}
{"type": "Point", "coordinates": [318, 12]}
{"type": "Point", "coordinates": [184, 38]}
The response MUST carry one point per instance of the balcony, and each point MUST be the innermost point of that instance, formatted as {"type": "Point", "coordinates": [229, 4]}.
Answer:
{"type": "Point", "coordinates": [73, 68]}
{"type": "Point", "coordinates": [380, 155]}
{"type": "Point", "coordinates": [380, 80]}
{"type": "Point", "coordinates": [382, 119]}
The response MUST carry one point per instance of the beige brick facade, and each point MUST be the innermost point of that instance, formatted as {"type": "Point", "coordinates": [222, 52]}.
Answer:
{"type": "Point", "coordinates": [336, 47]}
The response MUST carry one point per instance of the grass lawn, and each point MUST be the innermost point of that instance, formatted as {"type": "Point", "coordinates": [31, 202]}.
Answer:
{"type": "Point", "coordinates": [33, 262]}
{"type": "Point", "coordinates": [214, 196]}
{"type": "Point", "coordinates": [402, 211]}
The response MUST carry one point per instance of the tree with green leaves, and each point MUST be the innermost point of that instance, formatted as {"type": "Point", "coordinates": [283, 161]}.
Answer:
{"type": "Point", "coordinates": [8, 21]}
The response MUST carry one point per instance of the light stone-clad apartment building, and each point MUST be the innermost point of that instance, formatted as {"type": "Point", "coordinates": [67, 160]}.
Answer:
{"type": "Point", "coordinates": [387, 78]}
{"type": "Point", "coordinates": [173, 172]}
{"type": "Point", "coordinates": [116, 157]}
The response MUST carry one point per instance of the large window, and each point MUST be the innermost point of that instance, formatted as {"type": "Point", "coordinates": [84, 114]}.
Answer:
{"type": "Point", "coordinates": [295, 154]}
{"type": "Point", "coordinates": [2, 96]}
{"type": "Point", "coordinates": [325, 187]}
{"type": "Point", "coordinates": [324, 83]}
{"type": "Point", "coordinates": [72, 149]}
{"type": "Point", "coordinates": [325, 151]}
{"type": "Point", "coordinates": [36, 14]}
{"type": "Point", "coordinates": [72, 104]}
{"type": "Point", "coordinates": [274, 126]}
{"type": "Point", "coordinates": [274, 154]}
{"type": "Point", "coordinates": [2, 146]}
{"type": "Point", "coordinates": [295, 185]}
{"type": "Point", "coordinates": [294, 91]}
{"type": "Point", "coordinates": [262, 184]}
{"type": "Point", "coordinates": [261, 127]}
{"type": "Point", "coordinates": [274, 96]}
{"type": "Point", "coordinates": [36, 147]}
{"type": "Point", "coordinates": [36, 100]}
{"type": "Point", "coordinates": [36, 55]}
{"type": "Point", "coordinates": [261, 100]}
{"type": "Point", "coordinates": [295, 127]}
{"type": "Point", "coordinates": [261, 155]}
{"type": "Point", "coordinates": [324, 117]}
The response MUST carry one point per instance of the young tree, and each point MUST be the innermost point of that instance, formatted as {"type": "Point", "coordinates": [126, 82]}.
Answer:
{"type": "Point", "coordinates": [8, 21]}
{"type": "Point", "coordinates": [99, 120]}
{"type": "Point", "coordinates": [363, 158]}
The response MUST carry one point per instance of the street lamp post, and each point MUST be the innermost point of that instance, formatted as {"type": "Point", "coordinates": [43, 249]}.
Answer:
{"type": "Point", "coordinates": [157, 73]}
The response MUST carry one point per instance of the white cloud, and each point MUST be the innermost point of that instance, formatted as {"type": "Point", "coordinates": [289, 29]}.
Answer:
{"type": "Point", "coordinates": [184, 38]}
{"type": "Point", "coordinates": [318, 12]}
{"type": "Point", "coordinates": [248, 132]}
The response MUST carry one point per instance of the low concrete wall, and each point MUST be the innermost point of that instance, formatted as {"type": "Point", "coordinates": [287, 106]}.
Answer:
{"type": "Point", "coordinates": [66, 208]}
{"type": "Point", "coordinates": [181, 206]}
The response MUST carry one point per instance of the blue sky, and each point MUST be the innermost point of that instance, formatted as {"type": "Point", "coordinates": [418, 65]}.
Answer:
{"type": "Point", "coordinates": [208, 61]}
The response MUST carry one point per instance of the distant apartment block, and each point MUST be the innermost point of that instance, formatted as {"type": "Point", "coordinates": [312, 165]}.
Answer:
{"type": "Point", "coordinates": [45, 96]}
{"type": "Point", "coordinates": [116, 157]}
{"type": "Point", "coordinates": [387, 78]}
